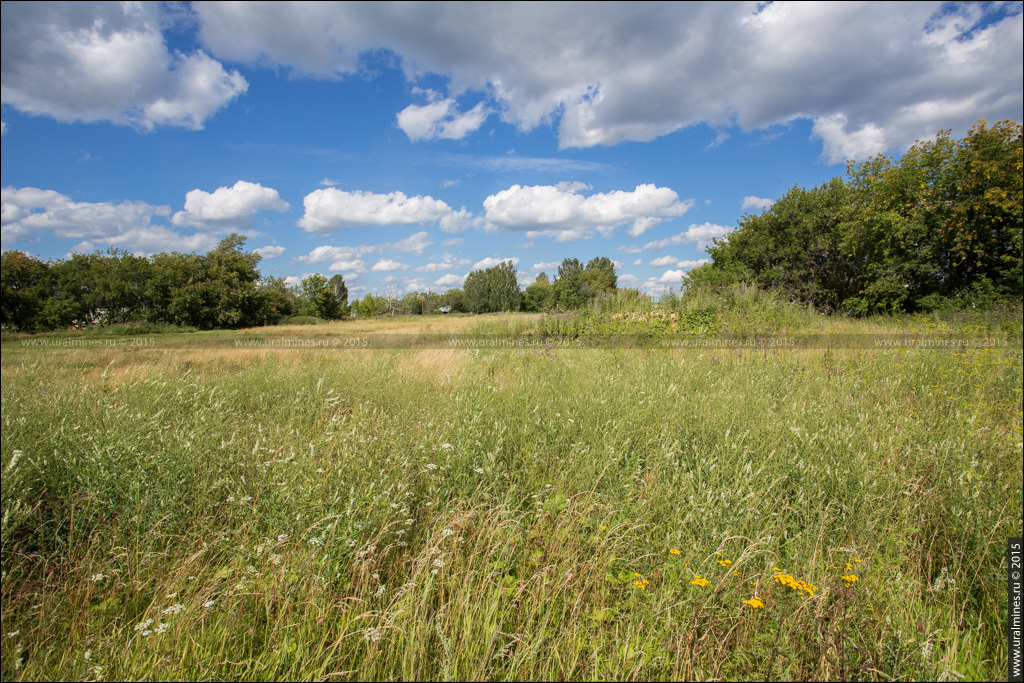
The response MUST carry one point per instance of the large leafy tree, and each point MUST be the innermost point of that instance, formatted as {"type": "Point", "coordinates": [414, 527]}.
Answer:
{"type": "Point", "coordinates": [25, 281]}
{"type": "Point", "coordinates": [944, 221]}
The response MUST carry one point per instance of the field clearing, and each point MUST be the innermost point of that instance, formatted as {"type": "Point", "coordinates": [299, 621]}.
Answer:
{"type": "Point", "coordinates": [508, 514]}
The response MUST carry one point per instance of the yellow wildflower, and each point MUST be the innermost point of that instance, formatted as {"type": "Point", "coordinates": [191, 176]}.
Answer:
{"type": "Point", "coordinates": [754, 602]}
{"type": "Point", "coordinates": [674, 551]}
{"type": "Point", "coordinates": [698, 581]}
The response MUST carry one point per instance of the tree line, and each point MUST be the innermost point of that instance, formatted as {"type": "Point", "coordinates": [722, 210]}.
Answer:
{"type": "Point", "coordinates": [942, 224]}
{"type": "Point", "coordinates": [224, 289]}
{"type": "Point", "coordinates": [219, 289]}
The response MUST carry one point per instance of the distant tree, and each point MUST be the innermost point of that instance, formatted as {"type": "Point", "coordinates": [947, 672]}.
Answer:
{"type": "Point", "coordinates": [455, 300]}
{"type": "Point", "coordinates": [411, 304]}
{"type": "Point", "coordinates": [540, 295]}
{"type": "Point", "coordinates": [340, 291]}
{"type": "Point", "coordinates": [25, 282]}
{"type": "Point", "coordinates": [943, 222]}
{"type": "Point", "coordinates": [568, 287]}
{"type": "Point", "coordinates": [598, 278]}
{"type": "Point", "coordinates": [432, 301]}
{"type": "Point", "coordinates": [318, 298]}
{"type": "Point", "coordinates": [493, 289]}
{"type": "Point", "coordinates": [371, 305]}
{"type": "Point", "coordinates": [277, 300]}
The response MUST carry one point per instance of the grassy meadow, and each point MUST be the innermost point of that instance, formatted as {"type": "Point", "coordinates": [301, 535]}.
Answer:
{"type": "Point", "coordinates": [506, 514]}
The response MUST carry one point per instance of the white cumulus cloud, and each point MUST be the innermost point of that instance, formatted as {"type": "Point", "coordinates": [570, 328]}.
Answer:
{"type": "Point", "coordinates": [702, 235]}
{"type": "Point", "coordinates": [450, 280]}
{"type": "Point", "coordinates": [33, 213]}
{"type": "Point", "coordinates": [385, 265]}
{"type": "Point", "coordinates": [867, 75]}
{"type": "Point", "coordinates": [330, 209]}
{"type": "Point", "coordinates": [492, 261]}
{"type": "Point", "coordinates": [108, 62]}
{"type": "Point", "coordinates": [663, 261]}
{"type": "Point", "coordinates": [228, 206]}
{"type": "Point", "coordinates": [448, 262]}
{"type": "Point", "coordinates": [564, 213]}
{"type": "Point", "coordinates": [757, 203]}
{"type": "Point", "coordinates": [440, 120]}
{"type": "Point", "coordinates": [270, 251]}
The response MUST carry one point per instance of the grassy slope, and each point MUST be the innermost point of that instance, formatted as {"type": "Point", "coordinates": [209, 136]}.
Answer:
{"type": "Point", "coordinates": [508, 514]}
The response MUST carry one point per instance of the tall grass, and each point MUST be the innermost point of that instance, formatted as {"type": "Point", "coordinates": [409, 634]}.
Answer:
{"type": "Point", "coordinates": [510, 514]}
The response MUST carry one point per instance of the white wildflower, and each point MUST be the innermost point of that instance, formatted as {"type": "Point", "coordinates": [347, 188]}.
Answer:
{"type": "Point", "coordinates": [372, 635]}
{"type": "Point", "coordinates": [176, 608]}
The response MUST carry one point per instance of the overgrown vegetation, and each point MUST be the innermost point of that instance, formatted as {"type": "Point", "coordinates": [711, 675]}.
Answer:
{"type": "Point", "coordinates": [944, 223]}
{"type": "Point", "coordinates": [514, 514]}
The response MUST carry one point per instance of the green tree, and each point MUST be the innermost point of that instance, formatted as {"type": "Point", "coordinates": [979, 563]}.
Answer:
{"type": "Point", "coordinates": [455, 300]}
{"type": "Point", "coordinates": [568, 287]}
{"type": "Point", "coordinates": [25, 281]}
{"type": "Point", "coordinates": [539, 295]}
{"type": "Point", "coordinates": [318, 298]}
{"type": "Point", "coordinates": [598, 278]}
{"type": "Point", "coordinates": [340, 291]}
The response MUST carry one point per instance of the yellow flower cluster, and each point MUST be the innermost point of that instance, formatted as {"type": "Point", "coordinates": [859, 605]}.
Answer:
{"type": "Point", "coordinates": [640, 582]}
{"type": "Point", "coordinates": [850, 579]}
{"type": "Point", "coordinates": [725, 563]}
{"type": "Point", "coordinates": [754, 602]}
{"type": "Point", "coordinates": [674, 551]}
{"type": "Point", "coordinates": [698, 581]}
{"type": "Point", "coordinates": [796, 584]}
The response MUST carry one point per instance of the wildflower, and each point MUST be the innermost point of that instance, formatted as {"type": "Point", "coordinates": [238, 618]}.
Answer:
{"type": "Point", "coordinates": [96, 578]}
{"type": "Point", "coordinates": [431, 466]}
{"type": "Point", "coordinates": [755, 602]}
{"type": "Point", "coordinates": [176, 608]}
{"type": "Point", "coordinates": [371, 635]}
{"type": "Point", "coordinates": [725, 563]}
{"type": "Point", "coordinates": [161, 628]}
{"type": "Point", "coordinates": [446, 447]}
{"type": "Point", "coordinates": [143, 627]}
{"type": "Point", "coordinates": [796, 584]}
{"type": "Point", "coordinates": [674, 551]}
{"type": "Point", "coordinates": [698, 581]}
{"type": "Point", "coordinates": [11, 634]}
{"type": "Point", "coordinates": [850, 579]}
{"type": "Point", "coordinates": [479, 470]}
{"type": "Point", "coordinates": [446, 533]}
{"type": "Point", "coordinates": [604, 528]}
{"type": "Point", "coordinates": [209, 603]}
{"type": "Point", "coordinates": [282, 538]}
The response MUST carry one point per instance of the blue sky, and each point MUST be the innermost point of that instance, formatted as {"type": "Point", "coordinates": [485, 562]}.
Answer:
{"type": "Point", "coordinates": [403, 145]}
